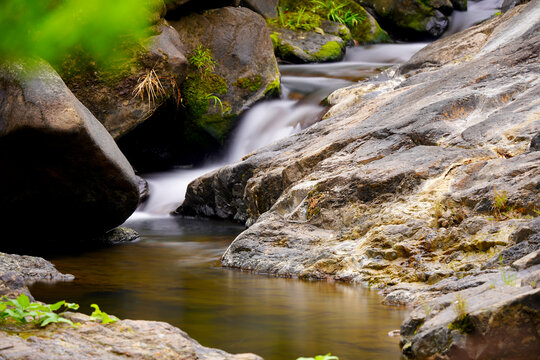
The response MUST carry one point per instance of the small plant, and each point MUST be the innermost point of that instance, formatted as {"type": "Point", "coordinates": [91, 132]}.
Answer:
{"type": "Point", "coordinates": [149, 85]}
{"type": "Point", "coordinates": [463, 322]}
{"type": "Point", "coordinates": [202, 59]}
{"type": "Point", "coordinates": [500, 203]}
{"type": "Point", "coordinates": [320, 357]}
{"type": "Point", "coordinates": [335, 12]}
{"type": "Point", "coordinates": [217, 101]}
{"type": "Point", "coordinates": [508, 277]}
{"type": "Point", "coordinates": [22, 311]}
{"type": "Point", "coordinates": [426, 306]}
{"type": "Point", "coordinates": [102, 316]}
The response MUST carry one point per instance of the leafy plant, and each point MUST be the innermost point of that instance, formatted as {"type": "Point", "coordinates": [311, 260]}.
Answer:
{"type": "Point", "coordinates": [102, 316]}
{"type": "Point", "coordinates": [22, 311]}
{"type": "Point", "coordinates": [460, 306]}
{"type": "Point", "coordinates": [426, 306]}
{"type": "Point", "coordinates": [320, 357]}
{"type": "Point", "coordinates": [336, 12]}
{"type": "Point", "coordinates": [500, 202]}
{"type": "Point", "coordinates": [149, 85]}
{"type": "Point", "coordinates": [217, 101]}
{"type": "Point", "coordinates": [463, 322]}
{"type": "Point", "coordinates": [203, 60]}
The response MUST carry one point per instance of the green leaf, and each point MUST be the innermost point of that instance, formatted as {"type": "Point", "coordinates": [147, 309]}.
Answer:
{"type": "Point", "coordinates": [23, 300]}
{"type": "Point", "coordinates": [57, 305]}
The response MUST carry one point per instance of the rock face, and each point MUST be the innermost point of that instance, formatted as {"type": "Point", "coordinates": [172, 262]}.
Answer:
{"type": "Point", "coordinates": [496, 319]}
{"type": "Point", "coordinates": [413, 176]}
{"type": "Point", "coordinates": [245, 71]}
{"type": "Point", "coordinates": [111, 95]}
{"type": "Point", "coordinates": [58, 162]}
{"type": "Point", "coordinates": [412, 19]}
{"type": "Point", "coordinates": [126, 339]}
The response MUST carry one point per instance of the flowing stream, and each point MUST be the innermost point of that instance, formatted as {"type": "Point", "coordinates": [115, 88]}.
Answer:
{"type": "Point", "coordinates": [173, 273]}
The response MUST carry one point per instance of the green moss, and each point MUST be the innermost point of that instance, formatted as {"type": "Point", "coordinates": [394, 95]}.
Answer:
{"type": "Point", "coordinates": [275, 40]}
{"type": "Point", "coordinates": [252, 84]}
{"type": "Point", "coordinates": [273, 89]}
{"type": "Point", "coordinates": [296, 20]}
{"type": "Point", "coordinates": [196, 89]}
{"type": "Point", "coordinates": [463, 324]}
{"type": "Point", "coordinates": [332, 50]}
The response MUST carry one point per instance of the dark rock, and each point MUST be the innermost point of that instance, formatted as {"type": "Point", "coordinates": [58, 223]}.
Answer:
{"type": "Point", "coordinates": [460, 5]}
{"type": "Point", "coordinates": [267, 8]}
{"type": "Point", "coordinates": [59, 163]}
{"type": "Point", "coordinates": [535, 143]}
{"type": "Point", "coordinates": [144, 189]}
{"type": "Point", "coordinates": [509, 4]}
{"type": "Point", "coordinates": [117, 236]}
{"type": "Point", "coordinates": [411, 19]}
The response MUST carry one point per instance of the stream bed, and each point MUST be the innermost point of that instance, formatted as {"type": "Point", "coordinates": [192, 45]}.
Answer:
{"type": "Point", "coordinates": [173, 275]}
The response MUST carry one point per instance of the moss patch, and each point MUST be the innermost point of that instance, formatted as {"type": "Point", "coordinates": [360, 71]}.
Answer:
{"type": "Point", "coordinates": [463, 324]}
{"type": "Point", "coordinates": [332, 50]}
{"type": "Point", "coordinates": [273, 89]}
{"type": "Point", "coordinates": [252, 84]}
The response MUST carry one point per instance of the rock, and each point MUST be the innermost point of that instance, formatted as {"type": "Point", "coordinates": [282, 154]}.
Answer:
{"type": "Point", "coordinates": [527, 261]}
{"type": "Point", "coordinates": [117, 236]}
{"type": "Point", "coordinates": [126, 339]}
{"type": "Point", "coordinates": [460, 5]}
{"type": "Point", "coordinates": [535, 143]}
{"type": "Point", "coordinates": [144, 190]}
{"type": "Point", "coordinates": [245, 72]}
{"type": "Point", "coordinates": [306, 46]}
{"type": "Point", "coordinates": [267, 8]}
{"type": "Point", "coordinates": [411, 19]}
{"type": "Point", "coordinates": [509, 4]}
{"type": "Point", "coordinates": [399, 297]}
{"type": "Point", "coordinates": [31, 268]}
{"type": "Point", "coordinates": [111, 95]}
{"type": "Point", "coordinates": [16, 272]}
{"type": "Point", "coordinates": [314, 19]}
{"type": "Point", "coordinates": [490, 321]}
{"type": "Point", "coordinates": [58, 164]}
{"type": "Point", "coordinates": [358, 196]}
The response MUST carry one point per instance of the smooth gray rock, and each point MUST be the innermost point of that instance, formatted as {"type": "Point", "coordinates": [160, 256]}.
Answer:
{"type": "Point", "coordinates": [359, 195]}
{"type": "Point", "coordinates": [267, 8]}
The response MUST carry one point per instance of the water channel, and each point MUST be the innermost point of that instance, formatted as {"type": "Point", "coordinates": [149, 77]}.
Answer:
{"type": "Point", "coordinates": [173, 273]}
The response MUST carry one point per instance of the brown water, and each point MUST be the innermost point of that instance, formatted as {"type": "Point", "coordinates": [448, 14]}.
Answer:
{"type": "Point", "coordinates": [173, 275]}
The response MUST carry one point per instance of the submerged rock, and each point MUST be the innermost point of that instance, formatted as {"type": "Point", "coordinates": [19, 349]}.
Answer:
{"type": "Point", "coordinates": [412, 177]}
{"type": "Point", "coordinates": [58, 162]}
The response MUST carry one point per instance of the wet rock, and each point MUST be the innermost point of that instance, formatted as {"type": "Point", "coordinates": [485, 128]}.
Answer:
{"type": "Point", "coordinates": [535, 143]}
{"type": "Point", "coordinates": [117, 236]}
{"type": "Point", "coordinates": [245, 72]}
{"type": "Point", "coordinates": [411, 19]}
{"type": "Point", "coordinates": [144, 190]}
{"type": "Point", "coordinates": [59, 164]}
{"type": "Point", "coordinates": [126, 339]}
{"type": "Point", "coordinates": [509, 4]}
{"type": "Point", "coordinates": [460, 5]}
{"type": "Point", "coordinates": [358, 196]}
{"type": "Point", "coordinates": [306, 46]}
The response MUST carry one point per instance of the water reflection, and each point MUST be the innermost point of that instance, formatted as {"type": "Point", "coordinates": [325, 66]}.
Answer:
{"type": "Point", "coordinates": [174, 277]}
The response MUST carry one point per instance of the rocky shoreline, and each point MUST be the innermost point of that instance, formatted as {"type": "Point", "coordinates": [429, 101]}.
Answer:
{"type": "Point", "coordinates": [423, 182]}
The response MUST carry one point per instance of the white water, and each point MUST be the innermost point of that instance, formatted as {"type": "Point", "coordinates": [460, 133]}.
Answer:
{"type": "Point", "coordinates": [477, 11]}
{"type": "Point", "coordinates": [271, 121]}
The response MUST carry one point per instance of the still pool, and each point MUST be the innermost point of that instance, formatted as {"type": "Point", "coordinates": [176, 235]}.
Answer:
{"type": "Point", "coordinates": [173, 275]}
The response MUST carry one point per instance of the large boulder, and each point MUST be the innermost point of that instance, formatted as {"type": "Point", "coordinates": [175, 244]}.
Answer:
{"type": "Point", "coordinates": [62, 173]}
{"type": "Point", "coordinates": [113, 95]}
{"type": "Point", "coordinates": [422, 172]}
{"type": "Point", "coordinates": [411, 19]}
{"type": "Point", "coordinates": [244, 71]}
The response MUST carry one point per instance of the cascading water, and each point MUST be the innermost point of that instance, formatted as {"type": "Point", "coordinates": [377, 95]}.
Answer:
{"type": "Point", "coordinates": [270, 121]}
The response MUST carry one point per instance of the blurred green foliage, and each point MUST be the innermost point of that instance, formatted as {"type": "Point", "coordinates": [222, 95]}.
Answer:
{"type": "Point", "coordinates": [53, 29]}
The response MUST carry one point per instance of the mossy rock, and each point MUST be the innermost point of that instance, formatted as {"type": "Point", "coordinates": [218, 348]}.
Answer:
{"type": "Point", "coordinates": [367, 31]}
{"type": "Point", "coordinates": [306, 47]}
